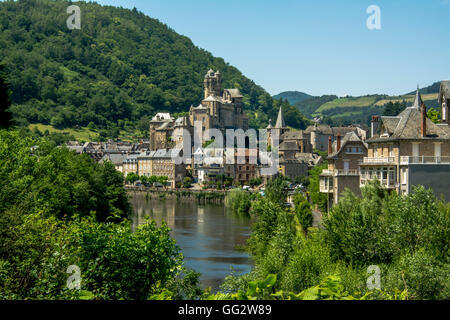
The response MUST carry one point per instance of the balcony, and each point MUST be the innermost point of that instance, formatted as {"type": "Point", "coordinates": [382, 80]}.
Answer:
{"type": "Point", "coordinates": [340, 172]}
{"type": "Point", "coordinates": [424, 160]}
{"type": "Point", "coordinates": [348, 172]}
{"type": "Point", "coordinates": [378, 160]}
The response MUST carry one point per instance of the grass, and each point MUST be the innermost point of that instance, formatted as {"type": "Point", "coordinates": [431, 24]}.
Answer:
{"type": "Point", "coordinates": [347, 102]}
{"type": "Point", "coordinates": [408, 98]}
{"type": "Point", "coordinates": [369, 101]}
{"type": "Point", "coordinates": [82, 134]}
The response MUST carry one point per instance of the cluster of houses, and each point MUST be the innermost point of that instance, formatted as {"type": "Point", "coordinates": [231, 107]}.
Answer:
{"type": "Point", "coordinates": [403, 151]}
{"type": "Point", "coordinates": [400, 151]}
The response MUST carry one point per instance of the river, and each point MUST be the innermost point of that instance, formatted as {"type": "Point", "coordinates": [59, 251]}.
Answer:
{"type": "Point", "coordinates": [206, 233]}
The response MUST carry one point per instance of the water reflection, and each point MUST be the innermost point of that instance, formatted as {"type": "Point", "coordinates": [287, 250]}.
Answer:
{"type": "Point", "coordinates": [206, 234]}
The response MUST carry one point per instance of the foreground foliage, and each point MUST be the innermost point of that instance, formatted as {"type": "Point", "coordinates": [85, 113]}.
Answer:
{"type": "Point", "coordinates": [58, 209]}
{"type": "Point", "coordinates": [405, 236]}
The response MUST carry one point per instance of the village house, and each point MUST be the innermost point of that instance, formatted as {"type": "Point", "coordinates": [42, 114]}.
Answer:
{"type": "Point", "coordinates": [344, 157]}
{"type": "Point", "coordinates": [320, 133]}
{"type": "Point", "coordinates": [130, 165]}
{"type": "Point", "coordinates": [409, 149]}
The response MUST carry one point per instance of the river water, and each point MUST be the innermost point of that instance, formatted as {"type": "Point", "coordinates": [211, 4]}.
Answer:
{"type": "Point", "coordinates": [206, 233]}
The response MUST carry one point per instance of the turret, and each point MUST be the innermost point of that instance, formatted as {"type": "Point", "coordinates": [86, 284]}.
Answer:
{"type": "Point", "coordinates": [212, 83]}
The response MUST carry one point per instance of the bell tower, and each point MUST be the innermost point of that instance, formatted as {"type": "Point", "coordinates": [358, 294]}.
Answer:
{"type": "Point", "coordinates": [212, 83]}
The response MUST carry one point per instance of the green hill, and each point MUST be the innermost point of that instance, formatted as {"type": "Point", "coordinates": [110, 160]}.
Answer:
{"type": "Point", "coordinates": [347, 110]}
{"type": "Point", "coordinates": [293, 97]}
{"type": "Point", "coordinates": [114, 73]}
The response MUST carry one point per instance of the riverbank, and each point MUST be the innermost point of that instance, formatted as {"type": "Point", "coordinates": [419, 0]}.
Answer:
{"type": "Point", "coordinates": [208, 196]}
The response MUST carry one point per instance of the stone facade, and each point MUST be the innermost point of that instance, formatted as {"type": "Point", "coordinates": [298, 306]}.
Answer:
{"type": "Point", "coordinates": [399, 144]}
{"type": "Point", "coordinates": [220, 109]}
{"type": "Point", "coordinates": [345, 155]}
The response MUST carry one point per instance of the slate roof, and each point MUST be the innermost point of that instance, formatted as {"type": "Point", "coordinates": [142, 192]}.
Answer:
{"type": "Point", "coordinates": [418, 100]}
{"type": "Point", "coordinates": [213, 99]}
{"type": "Point", "coordinates": [200, 106]}
{"type": "Point", "coordinates": [162, 117]}
{"type": "Point", "coordinates": [324, 128]}
{"type": "Point", "coordinates": [444, 91]}
{"type": "Point", "coordinates": [115, 158]}
{"type": "Point", "coordinates": [349, 137]}
{"type": "Point", "coordinates": [289, 146]}
{"type": "Point", "coordinates": [409, 127]}
{"type": "Point", "coordinates": [342, 130]}
{"type": "Point", "coordinates": [280, 120]}
{"type": "Point", "coordinates": [292, 135]}
{"type": "Point", "coordinates": [235, 93]}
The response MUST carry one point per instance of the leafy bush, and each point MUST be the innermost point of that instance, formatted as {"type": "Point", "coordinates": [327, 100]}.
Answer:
{"type": "Point", "coordinates": [239, 201]}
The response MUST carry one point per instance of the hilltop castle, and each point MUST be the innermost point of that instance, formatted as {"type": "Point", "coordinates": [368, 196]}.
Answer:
{"type": "Point", "coordinates": [220, 109]}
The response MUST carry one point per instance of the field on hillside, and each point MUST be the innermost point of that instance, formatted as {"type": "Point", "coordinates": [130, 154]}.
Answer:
{"type": "Point", "coordinates": [408, 98]}
{"type": "Point", "coordinates": [82, 134]}
{"type": "Point", "coordinates": [347, 102]}
{"type": "Point", "coordinates": [348, 105]}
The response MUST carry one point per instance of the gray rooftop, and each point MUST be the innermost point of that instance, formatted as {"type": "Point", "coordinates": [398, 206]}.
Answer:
{"type": "Point", "coordinates": [280, 120]}
{"type": "Point", "coordinates": [444, 90]}
{"type": "Point", "coordinates": [407, 125]}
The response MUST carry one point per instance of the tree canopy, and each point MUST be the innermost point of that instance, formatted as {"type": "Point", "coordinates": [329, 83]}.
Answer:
{"type": "Point", "coordinates": [121, 66]}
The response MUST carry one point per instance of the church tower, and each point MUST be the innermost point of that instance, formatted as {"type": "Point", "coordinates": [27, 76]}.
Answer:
{"type": "Point", "coordinates": [212, 84]}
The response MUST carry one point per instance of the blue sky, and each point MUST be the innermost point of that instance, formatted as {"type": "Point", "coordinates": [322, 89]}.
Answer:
{"type": "Point", "coordinates": [317, 46]}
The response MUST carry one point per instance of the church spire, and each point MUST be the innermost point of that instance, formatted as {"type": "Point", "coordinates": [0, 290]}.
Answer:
{"type": "Point", "coordinates": [418, 100]}
{"type": "Point", "coordinates": [280, 120]}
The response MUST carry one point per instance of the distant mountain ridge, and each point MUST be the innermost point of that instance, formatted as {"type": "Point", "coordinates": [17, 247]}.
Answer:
{"type": "Point", "coordinates": [346, 110]}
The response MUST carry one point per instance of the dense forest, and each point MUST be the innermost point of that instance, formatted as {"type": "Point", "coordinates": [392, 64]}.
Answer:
{"type": "Point", "coordinates": [116, 72]}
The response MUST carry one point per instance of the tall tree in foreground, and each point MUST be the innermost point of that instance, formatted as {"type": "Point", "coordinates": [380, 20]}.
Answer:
{"type": "Point", "coordinates": [5, 115]}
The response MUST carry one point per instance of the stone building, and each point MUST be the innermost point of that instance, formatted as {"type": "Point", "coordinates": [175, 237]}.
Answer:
{"type": "Point", "coordinates": [130, 165]}
{"type": "Point", "coordinates": [344, 157]}
{"type": "Point", "coordinates": [244, 169]}
{"type": "Point", "coordinates": [409, 149]}
{"type": "Point", "coordinates": [292, 148]}
{"type": "Point", "coordinates": [220, 109]}
{"type": "Point", "coordinates": [161, 130]}
{"type": "Point", "coordinates": [161, 164]}
{"type": "Point", "coordinates": [320, 133]}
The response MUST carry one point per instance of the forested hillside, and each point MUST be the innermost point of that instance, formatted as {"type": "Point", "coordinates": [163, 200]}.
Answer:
{"type": "Point", "coordinates": [293, 96]}
{"type": "Point", "coordinates": [114, 73]}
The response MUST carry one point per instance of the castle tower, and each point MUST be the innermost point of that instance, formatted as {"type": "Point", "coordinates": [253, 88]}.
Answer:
{"type": "Point", "coordinates": [212, 84]}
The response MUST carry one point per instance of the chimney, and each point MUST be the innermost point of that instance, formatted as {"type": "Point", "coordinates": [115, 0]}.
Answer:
{"type": "Point", "coordinates": [424, 120]}
{"type": "Point", "coordinates": [374, 125]}
{"type": "Point", "coordinates": [338, 142]}
{"type": "Point", "coordinates": [330, 146]}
